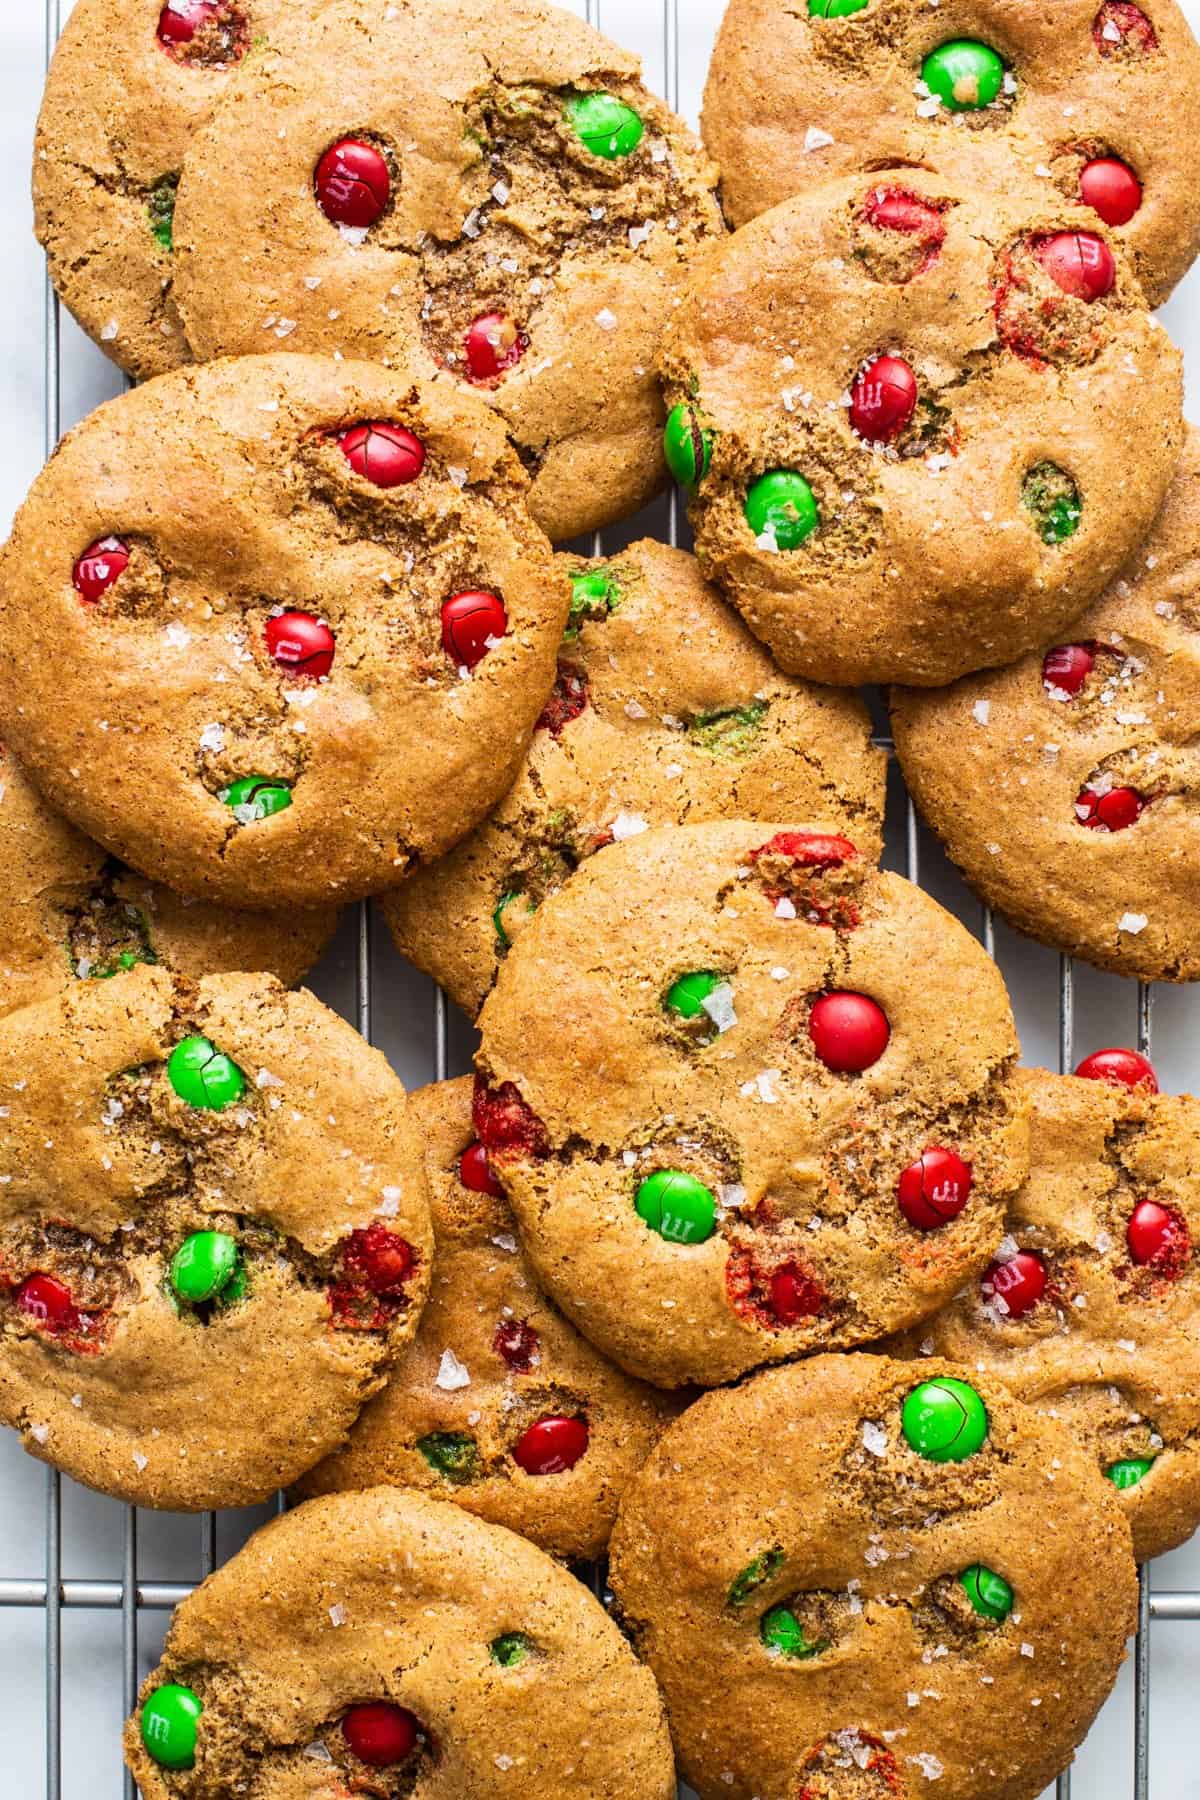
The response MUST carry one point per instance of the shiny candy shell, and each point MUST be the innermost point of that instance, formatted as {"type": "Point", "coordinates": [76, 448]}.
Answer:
{"type": "Point", "coordinates": [475, 1172]}
{"type": "Point", "coordinates": [849, 1032]}
{"type": "Point", "coordinates": [387, 456]}
{"type": "Point", "coordinates": [677, 1206]}
{"type": "Point", "coordinates": [1078, 262]}
{"type": "Point", "coordinates": [1015, 1287]}
{"type": "Point", "coordinates": [170, 1725]}
{"type": "Point", "coordinates": [944, 1420]}
{"type": "Point", "coordinates": [101, 564]}
{"type": "Point", "coordinates": [1120, 1068]}
{"type": "Point", "coordinates": [883, 399]}
{"type": "Point", "coordinates": [300, 643]}
{"type": "Point", "coordinates": [934, 1189]}
{"type": "Point", "coordinates": [472, 624]}
{"type": "Point", "coordinates": [552, 1446]}
{"type": "Point", "coordinates": [380, 1734]}
{"type": "Point", "coordinates": [204, 1076]}
{"type": "Point", "coordinates": [353, 184]}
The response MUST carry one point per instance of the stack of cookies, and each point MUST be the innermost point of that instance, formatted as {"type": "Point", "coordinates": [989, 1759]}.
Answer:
{"type": "Point", "coordinates": [414, 291]}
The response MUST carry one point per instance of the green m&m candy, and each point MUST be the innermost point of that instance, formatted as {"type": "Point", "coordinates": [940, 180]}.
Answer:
{"type": "Point", "coordinates": [677, 1206]}
{"type": "Point", "coordinates": [834, 9]}
{"type": "Point", "coordinates": [205, 1267]}
{"type": "Point", "coordinates": [964, 74]}
{"type": "Point", "coordinates": [512, 911]}
{"type": "Point", "coordinates": [1130, 1472]}
{"type": "Point", "coordinates": [1054, 501]}
{"type": "Point", "coordinates": [687, 446]}
{"type": "Point", "coordinates": [988, 1592]}
{"type": "Point", "coordinates": [452, 1453]}
{"type": "Point", "coordinates": [606, 126]}
{"type": "Point", "coordinates": [256, 797]}
{"type": "Point", "coordinates": [204, 1076]}
{"type": "Point", "coordinates": [170, 1722]}
{"type": "Point", "coordinates": [510, 1650]}
{"type": "Point", "coordinates": [688, 994]}
{"type": "Point", "coordinates": [782, 506]}
{"type": "Point", "coordinates": [782, 1631]}
{"type": "Point", "coordinates": [594, 594]}
{"type": "Point", "coordinates": [762, 1569]}
{"type": "Point", "coordinates": [944, 1420]}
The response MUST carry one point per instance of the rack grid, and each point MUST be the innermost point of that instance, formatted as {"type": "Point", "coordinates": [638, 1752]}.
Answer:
{"type": "Point", "coordinates": [132, 1595]}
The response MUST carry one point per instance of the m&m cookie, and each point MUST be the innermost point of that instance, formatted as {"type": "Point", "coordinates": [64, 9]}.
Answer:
{"type": "Point", "coordinates": [204, 1188]}
{"type": "Point", "coordinates": [387, 1644]}
{"type": "Point", "coordinates": [1065, 787]}
{"type": "Point", "coordinates": [1088, 1312]}
{"type": "Point", "coordinates": [920, 426]}
{"type": "Point", "coordinates": [748, 1097]}
{"type": "Point", "coordinates": [853, 1577]}
{"type": "Point", "coordinates": [665, 711]}
{"type": "Point", "coordinates": [492, 186]}
{"type": "Point", "coordinates": [1095, 100]}
{"type": "Point", "coordinates": [276, 630]}
{"type": "Point", "coordinates": [498, 1404]}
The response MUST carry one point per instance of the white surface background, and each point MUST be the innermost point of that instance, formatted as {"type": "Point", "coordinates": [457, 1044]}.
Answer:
{"type": "Point", "coordinates": [169, 1547]}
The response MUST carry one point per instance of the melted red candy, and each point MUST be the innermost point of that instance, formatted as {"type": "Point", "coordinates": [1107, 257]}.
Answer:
{"type": "Point", "coordinates": [475, 1173]}
{"type": "Point", "coordinates": [1159, 1239]}
{"type": "Point", "coordinates": [568, 700]}
{"type": "Point", "coordinates": [378, 1259]}
{"type": "Point", "coordinates": [1067, 667]}
{"type": "Point", "coordinates": [1117, 810]}
{"type": "Point", "coordinates": [101, 564]}
{"type": "Point", "coordinates": [504, 1124]}
{"type": "Point", "coordinates": [895, 209]}
{"type": "Point", "coordinates": [517, 1344]}
{"type": "Point", "coordinates": [811, 849]}
{"type": "Point", "coordinates": [1132, 28]}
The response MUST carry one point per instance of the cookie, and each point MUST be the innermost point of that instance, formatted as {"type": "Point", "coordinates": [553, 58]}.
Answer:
{"type": "Point", "coordinates": [733, 1106]}
{"type": "Point", "coordinates": [666, 710]}
{"type": "Point", "coordinates": [386, 1643]}
{"type": "Point", "coordinates": [69, 912]}
{"type": "Point", "coordinates": [499, 1404]}
{"type": "Point", "coordinates": [854, 1579]}
{"type": "Point", "coordinates": [493, 188]}
{"type": "Point", "coordinates": [1065, 786]}
{"type": "Point", "coordinates": [1089, 1313]}
{"type": "Point", "coordinates": [129, 83]}
{"type": "Point", "coordinates": [204, 1188]}
{"type": "Point", "coordinates": [278, 629]}
{"type": "Point", "coordinates": [1098, 101]}
{"type": "Point", "coordinates": [922, 426]}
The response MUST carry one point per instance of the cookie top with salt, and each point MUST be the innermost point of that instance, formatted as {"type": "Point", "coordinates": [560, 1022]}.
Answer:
{"type": "Point", "coordinates": [1098, 100]}
{"type": "Point", "coordinates": [1065, 787]}
{"type": "Point", "coordinates": [492, 185]}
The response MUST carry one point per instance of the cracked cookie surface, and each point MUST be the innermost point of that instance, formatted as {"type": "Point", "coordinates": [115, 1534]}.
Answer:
{"type": "Point", "coordinates": [249, 578]}
{"type": "Point", "coordinates": [494, 1372]}
{"type": "Point", "coordinates": [1111, 1213]}
{"type": "Point", "coordinates": [506, 1669]}
{"type": "Point", "coordinates": [833, 1615]}
{"type": "Point", "coordinates": [286, 1149]}
{"type": "Point", "coordinates": [532, 256]}
{"type": "Point", "coordinates": [747, 1052]}
{"type": "Point", "coordinates": [70, 912]}
{"type": "Point", "coordinates": [120, 107]}
{"type": "Point", "coordinates": [686, 718]}
{"type": "Point", "coordinates": [921, 451]}
{"type": "Point", "coordinates": [794, 99]}
{"type": "Point", "coordinates": [1066, 787]}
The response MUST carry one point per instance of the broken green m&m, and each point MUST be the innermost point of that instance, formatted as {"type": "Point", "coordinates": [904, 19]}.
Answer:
{"type": "Point", "coordinates": [989, 1593]}
{"type": "Point", "coordinates": [944, 1420]}
{"type": "Point", "coordinates": [207, 1266]}
{"type": "Point", "coordinates": [687, 446]}
{"type": "Point", "coordinates": [605, 125]}
{"type": "Point", "coordinates": [781, 509]}
{"type": "Point", "coordinates": [255, 797]}
{"type": "Point", "coordinates": [204, 1076]}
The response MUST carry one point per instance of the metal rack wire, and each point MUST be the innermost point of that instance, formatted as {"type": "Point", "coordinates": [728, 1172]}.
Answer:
{"type": "Point", "coordinates": [132, 1596]}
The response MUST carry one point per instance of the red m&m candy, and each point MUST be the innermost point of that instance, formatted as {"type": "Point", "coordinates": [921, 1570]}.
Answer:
{"type": "Point", "coordinates": [180, 20]}
{"type": "Point", "coordinates": [1111, 189]}
{"type": "Point", "coordinates": [517, 1345]}
{"type": "Point", "coordinates": [895, 209]}
{"type": "Point", "coordinates": [300, 643]}
{"type": "Point", "coordinates": [1158, 1237]}
{"type": "Point", "coordinates": [475, 1173]}
{"type": "Point", "coordinates": [353, 183]}
{"type": "Point", "coordinates": [795, 1295]}
{"type": "Point", "coordinates": [386, 455]}
{"type": "Point", "coordinates": [1016, 1285]}
{"type": "Point", "coordinates": [494, 344]}
{"type": "Point", "coordinates": [101, 564]}
{"type": "Point", "coordinates": [934, 1189]}
{"type": "Point", "coordinates": [1120, 1068]}
{"type": "Point", "coordinates": [552, 1446]}
{"type": "Point", "coordinates": [1121, 28]}
{"type": "Point", "coordinates": [1066, 668]}
{"type": "Point", "coordinates": [849, 1032]}
{"type": "Point", "coordinates": [1078, 262]}
{"type": "Point", "coordinates": [883, 399]}
{"type": "Point", "coordinates": [811, 849]}
{"type": "Point", "coordinates": [378, 1258]}
{"type": "Point", "coordinates": [471, 624]}
{"type": "Point", "coordinates": [1117, 810]}
{"type": "Point", "coordinates": [380, 1734]}
{"type": "Point", "coordinates": [49, 1302]}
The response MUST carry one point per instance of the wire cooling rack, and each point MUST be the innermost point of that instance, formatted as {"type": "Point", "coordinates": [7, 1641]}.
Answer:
{"type": "Point", "coordinates": [97, 1557]}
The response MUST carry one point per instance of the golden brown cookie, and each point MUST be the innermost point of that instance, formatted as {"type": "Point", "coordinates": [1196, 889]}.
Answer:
{"type": "Point", "coordinates": [129, 83]}
{"type": "Point", "coordinates": [855, 1580]}
{"type": "Point", "coordinates": [498, 1404]}
{"type": "Point", "coordinates": [923, 426]}
{"type": "Point", "coordinates": [387, 1644]}
{"type": "Point", "coordinates": [1089, 1313]}
{"type": "Point", "coordinates": [724, 1072]}
{"type": "Point", "coordinates": [666, 711]}
{"type": "Point", "coordinates": [276, 630]}
{"type": "Point", "coordinates": [1066, 787]}
{"type": "Point", "coordinates": [1099, 99]}
{"type": "Point", "coordinates": [493, 186]}
{"type": "Point", "coordinates": [205, 1189]}
{"type": "Point", "coordinates": [68, 911]}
